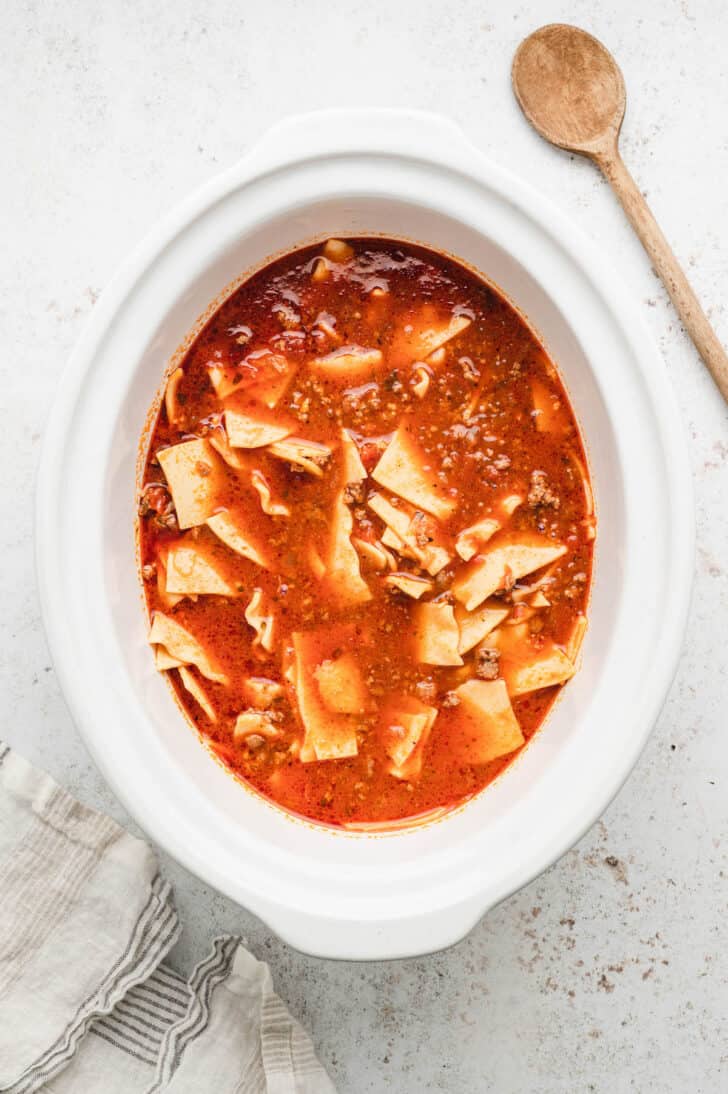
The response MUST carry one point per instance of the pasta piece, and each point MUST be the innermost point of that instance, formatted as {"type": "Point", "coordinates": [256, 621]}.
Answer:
{"type": "Point", "coordinates": [523, 592]}
{"type": "Point", "coordinates": [548, 410]}
{"type": "Point", "coordinates": [391, 539]}
{"type": "Point", "coordinates": [538, 600]}
{"type": "Point", "coordinates": [318, 569]}
{"type": "Point", "coordinates": [513, 642]}
{"type": "Point", "coordinates": [307, 455]}
{"type": "Point", "coordinates": [262, 373]}
{"type": "Point", "coordinates": [197, 692]}
{"type": "Point", "coordinates": [403, 470]}
{"type": "Point", "coordinates": [196, 480]}
{"type": "Point", "coordinates": [262, 620]}
{"type": "Point", "coordinates": [271, 391]}
{"type": "Point", "coordinates": [410, 584]}
{"type": "Point", "coordinates": [585, 484]}
{"type": "Point", "coordinates": [179, 643]}
{"type": "Point", "coordinates": [320, 270]}
{"type": "Point", "coordinates": [168, 599]}
{"type": "Point", "coordinates": [288, 666]}
{"type": "Point", "coordinates": [235, 459]}
{"type": "Point", "coordinates": [422, 380]}
{"type": "Point", "coordinates": [375, 553]}
{"type": "Point", "coordinates": [395, 518]}
{"type": "Point", "coordinates": [590, 530]}
{"type": "Point", "coordinates": [242, 333]}
{"type": "Point", "coordinates": [485, 727]}
{"type": "Point", "coordinates": [341, 685]}
{"type": "Point", "coordinates": [426, 539]}
{"type": "Point", "coordinates": [470, 540]}
{"type": "Point", "coordinates": [406, 725]}
{"type": "Point", "coordinates": [436, 337]}
{"type": "Point", "coordinates": [272, 508]}
{"type": "Point", "coordinates": [343, 575]}
{"type": "Point", "coordinates": [228, 527]}
{"type": "Point", "coordinates": [509, 504]}
{"type": "Point", "coordinates": [432, 558]}
{"type": "Point", "coordinates": [262, 692]}
{"type": "Point", "coordinates": [327, 735]}
{"type": "Point", "coordinates": [336, 250]}
{"type": "Point", "coordinates": [514, 556]}
{"type": "Point", "coordinates": [476, 400]}
{"type": "Point", "coordinates": [163, 660]}
{"type": "Point", "coordinates": [426, 333]}
{"type": "Point", "coordinates": [528, 667]}
{"type": "Point", "coordinates": [251, 426]}
{"type": "Point", "coordinates": [347, 362]}
{"type": "Point", "coordinates": [549, 667]}
{"type": "Point", "coordinates": [255, 721]}
{"type": "Point", "coordinates": [436, 634]}
{"type": "Point", "coordinates": [171, 404]}
{"type": "Point", "coordinates": [474, 626]}
{"type": "Point", "coordinates": [521, 614]}
{"type": "Point", "coordinates": [354, 470]}
{"type": "Point", "coordinates": [576, 637]}
{"type": "Point", "coordinates": [402, 535]}
{"type": "Point", "coordinates": [191, 572]}
{"type": "Point", "coordinates": [326, 323]}
{"type": "Point", "coordinates": [225, 379]}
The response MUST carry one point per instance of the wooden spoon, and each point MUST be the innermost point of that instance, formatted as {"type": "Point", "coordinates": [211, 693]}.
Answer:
{"type": "Point", "coordinates": [572, 92]}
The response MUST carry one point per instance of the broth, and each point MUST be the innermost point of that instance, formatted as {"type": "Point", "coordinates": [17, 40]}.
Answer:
{"type": "Point", "coordinates": [366, 532]}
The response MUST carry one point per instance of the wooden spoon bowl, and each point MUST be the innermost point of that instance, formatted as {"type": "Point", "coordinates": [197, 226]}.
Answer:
{"type": "Point", "coordinates": [570, 88]}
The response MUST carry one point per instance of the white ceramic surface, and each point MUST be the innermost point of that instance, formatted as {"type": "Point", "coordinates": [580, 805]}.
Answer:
{"type": "Point", "coordinates": [334, 894]}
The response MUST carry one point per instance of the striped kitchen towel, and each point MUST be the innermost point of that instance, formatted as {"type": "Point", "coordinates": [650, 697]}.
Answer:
{"type": "Point", "coordinates": [87, 1005]}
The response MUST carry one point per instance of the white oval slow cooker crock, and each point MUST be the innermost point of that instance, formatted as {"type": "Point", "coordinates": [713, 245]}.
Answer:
{"type": "Point", "coordinates": [330, 893]}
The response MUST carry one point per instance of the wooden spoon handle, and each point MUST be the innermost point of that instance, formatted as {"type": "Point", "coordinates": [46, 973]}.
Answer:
{"type": "Point", "coordinates": [667, 266]}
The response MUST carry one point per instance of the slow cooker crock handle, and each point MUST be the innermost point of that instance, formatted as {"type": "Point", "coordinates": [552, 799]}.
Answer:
{"type": "Point", "coordinates": [372, 940]}
{"type": "Point", "coordinates": [381, 130]}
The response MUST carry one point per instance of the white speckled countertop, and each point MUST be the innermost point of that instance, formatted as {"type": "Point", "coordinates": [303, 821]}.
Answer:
{"type": "Point", "coordinates": [610, 973]}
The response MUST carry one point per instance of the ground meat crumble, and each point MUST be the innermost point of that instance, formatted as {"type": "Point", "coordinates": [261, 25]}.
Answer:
{"type": "Point", "coordinates": [540, 493]}
{"type": "Point", "coordinates": [487, 663]}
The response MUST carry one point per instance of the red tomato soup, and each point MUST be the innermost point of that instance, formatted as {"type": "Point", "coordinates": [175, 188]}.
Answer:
{"type": "Point", "coordinates": [366, 532]}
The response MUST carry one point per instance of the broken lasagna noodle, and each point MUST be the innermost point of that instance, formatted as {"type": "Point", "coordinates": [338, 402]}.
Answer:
{"type": "Point", "coordinates": [366, 532]}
